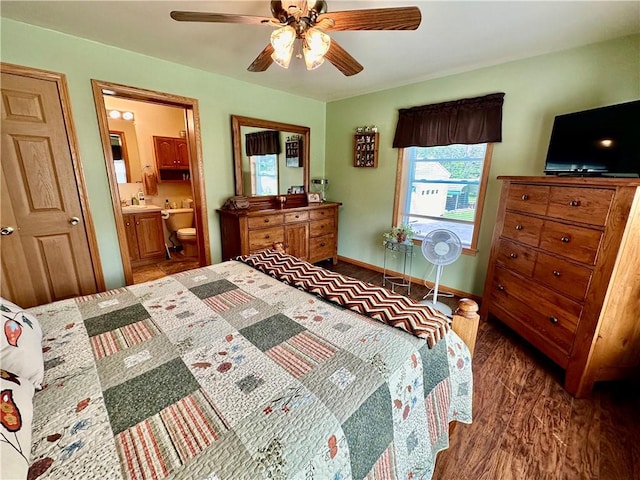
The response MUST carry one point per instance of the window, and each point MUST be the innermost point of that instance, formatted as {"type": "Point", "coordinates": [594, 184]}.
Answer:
{"type": "Point", "coordinates": [443, 187]}
{"type": "Point", "coordinates": [264, 174]}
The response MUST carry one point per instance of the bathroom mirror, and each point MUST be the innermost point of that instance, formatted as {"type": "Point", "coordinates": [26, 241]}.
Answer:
{"type": "Point", "coordinates": [121, 165]}
{"type": "Point", "coordinates": [288, 171]}
{"type": "Point", "coordinates": [124, 146]}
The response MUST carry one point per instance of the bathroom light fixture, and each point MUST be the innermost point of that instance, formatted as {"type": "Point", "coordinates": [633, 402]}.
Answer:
{"type": "Point", "coordinates": [117, 114]}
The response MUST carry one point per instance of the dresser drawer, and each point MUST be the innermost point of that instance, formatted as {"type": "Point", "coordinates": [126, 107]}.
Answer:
{"type": "Point", "coordinates": [516, 257]}
{"type": "Point", "coordinates": [264, 221]}
{"type": "Point", "coordinates": [322, 247]}
{"type": "Point", "coordinates": [586, 205]}
{"type": "Point", "coordinates": [528, 198]}
{"type": "Point", "coordinates": [578, 243]}
{"type": "Point", "coordinates": [264, 237]}
{"type": "Point", "coordinates": [321, 213]}
{"type": "Point", "coordinates": [522, 228]}
{"type": "Point", "coordinates": [566, 277]}
{"type": "Point", "coordinates": [321, 227]}
{"type": "Point", "coordinates": [294, 217]}
{"type": "Point", "coordinates": [552, 315]}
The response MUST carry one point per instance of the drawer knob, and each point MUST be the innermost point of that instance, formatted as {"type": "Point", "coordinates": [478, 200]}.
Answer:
{"type": "Point", "coordinates": [574, 203]}
{"type": "Point", "coordinates": [297, 216]}
{"type": "Point", "coordinates": [525, 197]}
{"type": "Point", "coordinates": [553, 320]}
{"type": "Point", "coordinates": [267, 236]}
{"type": "Point", "coordinates": [513, 255]}
{"type": "Point", "coordinates": [519, 227]}
{"type": "Point", "coordinates": [556, 273]}
{"type": "Point", "coordinates": [266, 220]}
{"type": "Point", "coordinates": [501, 287]}
{"type": "Point", "coordinates": [323, 244]}
{"type": "Point", "coordinates": [565, 239]}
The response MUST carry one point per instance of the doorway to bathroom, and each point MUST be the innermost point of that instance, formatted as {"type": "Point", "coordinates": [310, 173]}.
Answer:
{"type": "Point", "coordinates": [154, 164]}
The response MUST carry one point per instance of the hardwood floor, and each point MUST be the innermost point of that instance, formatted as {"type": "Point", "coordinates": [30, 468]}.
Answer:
{"type": "Point", "coordinates": [525, 425]}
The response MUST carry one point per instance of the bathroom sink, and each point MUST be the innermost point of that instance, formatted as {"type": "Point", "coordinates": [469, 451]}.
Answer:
{"type": "Point", "coordinates": [140, 208]}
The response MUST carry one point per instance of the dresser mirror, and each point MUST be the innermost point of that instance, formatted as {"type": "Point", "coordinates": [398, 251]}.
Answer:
{"type": "Point", "coordinates": [270, 174]}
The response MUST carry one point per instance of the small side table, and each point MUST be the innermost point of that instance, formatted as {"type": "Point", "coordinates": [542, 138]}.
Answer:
{"type": "Point", "coordinates": [406, 250]}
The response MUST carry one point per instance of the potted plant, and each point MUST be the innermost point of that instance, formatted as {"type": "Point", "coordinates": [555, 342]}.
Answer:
{"type": "Point", "coordinates": [400, 233]}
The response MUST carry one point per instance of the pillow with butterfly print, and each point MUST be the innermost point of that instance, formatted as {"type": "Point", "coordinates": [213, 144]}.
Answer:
{"type": "Point", "coordinates": [16, 416]}
{"type": "Point", "coordinates": [21, 343]}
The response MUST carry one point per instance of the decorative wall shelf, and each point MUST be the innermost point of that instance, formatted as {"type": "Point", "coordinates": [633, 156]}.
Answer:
{"type": "Point", "coordinates": [365, 149]}
{"type": "Point", "coordinates": [293, 149]}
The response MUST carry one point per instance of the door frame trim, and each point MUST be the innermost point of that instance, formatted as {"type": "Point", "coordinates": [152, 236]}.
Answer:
{"type": "Point", "coordinates": [194, 141]}
{"type": "Point", "coordinates": [60, 80]}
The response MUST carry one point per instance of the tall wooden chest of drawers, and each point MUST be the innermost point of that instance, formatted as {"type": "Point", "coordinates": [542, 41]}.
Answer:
{"type": "Point", "coordinates": [564, 273]}
{"type": "Point", "coordinates": [309, 232]}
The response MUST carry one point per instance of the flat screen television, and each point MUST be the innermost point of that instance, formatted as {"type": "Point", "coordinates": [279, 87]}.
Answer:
{"type": "Point", "coordinates": [602, 141]}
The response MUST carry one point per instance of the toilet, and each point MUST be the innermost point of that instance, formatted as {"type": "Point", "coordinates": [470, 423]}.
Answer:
{"type": "Point", "coordinates": [180, 222]}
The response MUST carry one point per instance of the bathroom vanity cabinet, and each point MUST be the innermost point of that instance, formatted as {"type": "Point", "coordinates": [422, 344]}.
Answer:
{"type": "Point", "coordinates": [145, 237]}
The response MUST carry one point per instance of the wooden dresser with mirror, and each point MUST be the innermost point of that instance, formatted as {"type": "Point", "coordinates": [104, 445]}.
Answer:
{"type": "Point", "coordinates": [563, 273]}
{"type": "Point", "coordinates": [275, 215]}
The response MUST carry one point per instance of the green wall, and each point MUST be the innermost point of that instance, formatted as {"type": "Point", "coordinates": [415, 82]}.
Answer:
{"type": "Point", "coordinates": [219, 97]}
{"type": "Point", "coordinates": [536, 90]}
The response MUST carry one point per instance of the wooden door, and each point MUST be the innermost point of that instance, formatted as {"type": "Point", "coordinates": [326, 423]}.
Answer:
{"type": "Point", "coordinates": [150, 235]}
{"type": "Point", "coordinates": [182, 153]}
{"type": "Point", "coordinates": [132, 238]}
{"type": "Point", "coordinates": [165, 152]}
{"type": "Point", "coordinates": [45, 247]}
{"type": "Point", "coordinates": [296, 238]}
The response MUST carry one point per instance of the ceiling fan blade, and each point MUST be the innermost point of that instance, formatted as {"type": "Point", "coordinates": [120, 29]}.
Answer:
{"type": "Point", "coordinates": [263, 60]}
{"type": "Point", "coordinates": [344, 62]}
{"type": "Point", "coordinates": [219, 18]}
{"type": "Point", "coordinates": [401, 18]}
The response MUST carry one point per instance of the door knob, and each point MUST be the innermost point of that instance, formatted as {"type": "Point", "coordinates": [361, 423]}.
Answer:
{"type": "Point", "coordinates": [6, 231]}
{"type": "Point", "coordinates": [74, 221]}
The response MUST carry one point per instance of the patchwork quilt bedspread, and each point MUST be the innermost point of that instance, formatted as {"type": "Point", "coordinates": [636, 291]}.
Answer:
{"type": "Point", "coordinates": [224, 372]}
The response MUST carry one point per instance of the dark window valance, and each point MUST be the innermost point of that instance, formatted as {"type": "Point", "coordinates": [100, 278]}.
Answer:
{"type": "Point", "coordinates": [262, 143]}
{"type": "Point", "coordinates": [465, 121]}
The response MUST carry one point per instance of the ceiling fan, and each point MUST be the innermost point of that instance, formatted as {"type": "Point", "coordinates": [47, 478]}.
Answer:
{"type": "Point", "coordinates": [307, 21]}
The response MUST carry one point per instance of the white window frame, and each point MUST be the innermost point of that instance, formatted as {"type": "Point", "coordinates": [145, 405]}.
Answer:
{"type": "Point", "coordinates": [255, 178]}
{"type": "Point", "coordinates": [402, 190]}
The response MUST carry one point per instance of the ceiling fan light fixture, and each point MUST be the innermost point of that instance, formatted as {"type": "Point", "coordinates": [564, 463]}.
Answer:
{"type": "Point", "coordinates": [317, 41]}
{"type": "Point", "coordinates": [312, 61]}
{"type": "Point", "coordinates": [282, 41]}
{"type": "Point", "coordinates": [316, 45]}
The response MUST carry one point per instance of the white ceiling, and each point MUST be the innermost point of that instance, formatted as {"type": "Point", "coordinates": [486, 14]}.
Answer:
{"type": "Point", "coordinates": [454, 36]}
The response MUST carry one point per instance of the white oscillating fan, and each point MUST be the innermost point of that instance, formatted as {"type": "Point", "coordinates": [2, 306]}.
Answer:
{"type": "Point", "coordinates": [441, 247]}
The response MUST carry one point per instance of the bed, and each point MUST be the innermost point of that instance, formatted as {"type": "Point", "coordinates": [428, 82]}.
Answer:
{"type": "Point", "coordinates": [264, 367]}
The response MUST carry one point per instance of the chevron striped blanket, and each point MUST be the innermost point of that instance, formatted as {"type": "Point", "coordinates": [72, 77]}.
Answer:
{"type": "Point", "coordinates": [365, 298]}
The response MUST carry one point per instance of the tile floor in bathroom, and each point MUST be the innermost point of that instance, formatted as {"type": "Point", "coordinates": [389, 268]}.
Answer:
{"type": "Point", "coordinates": [177, 263]}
